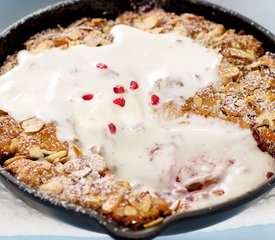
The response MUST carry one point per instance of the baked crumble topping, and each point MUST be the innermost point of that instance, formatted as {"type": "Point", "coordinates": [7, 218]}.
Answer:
{"type": "Point", "coordinates": [32, 152]}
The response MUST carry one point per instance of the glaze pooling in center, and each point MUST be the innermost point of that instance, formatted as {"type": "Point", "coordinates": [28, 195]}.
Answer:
{"type": "Point", "coordinates": [76, 88]}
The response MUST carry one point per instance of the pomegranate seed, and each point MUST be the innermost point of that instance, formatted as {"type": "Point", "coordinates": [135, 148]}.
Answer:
{"type": "Point", "coordinates": [154, 99]}
{"type": "Point", "coordinates": [133, 85]}
{"type": "Point", "coordinates": [269, 174]}
{"type": "Point", "coordinates": [112, 128]}
{"type": "Point", "coordinates": [101, 66]}
{"type": "Point", "coordinates": [178, 179]}
{"type": "Point", "coordinates": [119, 101]}
{"type": "Point", "coordinates": [87, 97]}
{"type": "Point", "coordinates": [118, 89]}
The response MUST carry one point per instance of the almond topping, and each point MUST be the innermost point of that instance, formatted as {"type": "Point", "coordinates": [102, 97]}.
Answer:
{"type": "Point", "coordinates": [130, 211]}
{"type": "Point", "coordinates": [35, 152]}
{"type": "Point", "coordinates": [53, 156]}
{"type": "Point", "coordinates": [111, 203]}
{"type": "Point", "coordinates": [32, 125]}
{"type": "Point", "coordinates": [240, 102]}
{"type": "Point", "coordinates": [13, 145]}
{"type": "Point", "coordinates": [53, 187]}
{"type": "Point", "coordinates": [153, 223]}
{"type": "Point", "coordinates": [11, 160]}
{"type": "Point", "coordinates": [197, 101]}
{"type": "Point", "coordinates": [149, 22]}
{"type": "Point", "coordinates": [94, 201]}
{"type": "Point", "coordinates": [77, 151]}
{"type": "Point", "coordinates": [47, 166]}
{"type": "Point", "coordinates": [47, 152]}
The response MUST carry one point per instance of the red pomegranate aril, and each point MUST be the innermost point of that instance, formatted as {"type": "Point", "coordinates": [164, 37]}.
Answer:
{"type": "Point", "coordinates": [88, 97]}
{"type": "Point", "coordinates": [154, 99]}
{"type": "Point", "coordinates": [133, 85]}
{"type": "Point", "coordinates": [118, 89]}
{"type": "Point", "coordinates": [119, 101]}
{"type": "Point", "coordinates": [101, 66]}
{"type": "Point", "coordinates": [269, 174]}
{"type": "Point", "coordinates": [112, 128]}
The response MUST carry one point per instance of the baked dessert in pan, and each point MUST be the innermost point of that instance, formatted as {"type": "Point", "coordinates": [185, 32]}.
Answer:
{"type": "Point", "coordinates": [32, 152]}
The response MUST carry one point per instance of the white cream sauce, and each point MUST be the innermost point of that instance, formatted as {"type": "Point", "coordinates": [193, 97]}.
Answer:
{"type": "Point", "coordinates": [150, 153]}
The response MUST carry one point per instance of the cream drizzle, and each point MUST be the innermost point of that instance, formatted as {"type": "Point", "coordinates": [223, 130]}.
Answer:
{"type": "Point", "coordinates": [147, 151]}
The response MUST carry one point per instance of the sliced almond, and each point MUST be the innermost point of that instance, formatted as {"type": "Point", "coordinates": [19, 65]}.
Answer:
{"type": "Point", "coordinates": [197, 101]}
{"type": "Point", "coordinates": [130, 211]}
{"type": "Point", "coordinates": [11, 160]}
{"type": "Point", "coordinates": [150, 21]}
{"type": "Point", "coordinates": [123, 184]}
{"type": "Point", "coordinates": [217, 31]}
{"type": "Point", "coordinates": [239, 53]}
{"type": "Point", "coordinates": [147, 23]}
{"type": "Point", "coordinates": [266, 119]}
{"type": "Point", "coordinates": [54, 187]}
{"type": "Point", "coordinates": [35, 152]}
{"type": "Point", "coordinates": [55, 161]}
{"type": "Point", "coordinates": [228, 72]}
{"type": "Point", "coordinates": [13, 145]}
{"type": "Point", "coordinates": [250, 98]}
{"type": "Point", "coordinates": [142, 202]}
{"type": "Point", "coordinates": [59, 167]}
{"type": "Point", "coordinates": [64, 159]}
{"type": "Point", "coordinates": [47, 166]}
{"type": "Point", "coordinates": [97, 21]}
{"type": "Point", "coordinates": [270, 98]}
{"type": "Point", "coordinates": [240, 102]}
{"type": "Point", "coordinates": [94, 201]}
{"type": "Point", "coordinates": [53, 156]}
{"type": "Point", "coordinates": [153, 223]}
{"type": "Point", "coordinates": [111, 203]}
{"type": "Point", "coordinates": [74, 34]}
{"type": "Point", "coordinates": [32, 125]}
{"type": "Point", "coordinates": [175, 206]}
{"type": "Point", "coordinates": [47, 152]}
{"type": "Point", "coordinates": [97, 150]}
{"type": "Point", "coordinates": [249, 87]}
{"type": "Point", "coordinates": [77, 151]}
{"type": "Point", "coordinates": [61, 160]}
{"type": "Point", "coordinates": [41, 47]}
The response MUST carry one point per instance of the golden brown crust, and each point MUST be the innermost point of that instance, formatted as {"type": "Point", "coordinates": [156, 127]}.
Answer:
{"type": "Point", "coordinates": [33, 173]}
{"type": "Point", "coordinates": [45, 139]}
{"type": "Point", "coordinates": [9, 129]}
{"type": "Point", "coordinates": [246, 95]}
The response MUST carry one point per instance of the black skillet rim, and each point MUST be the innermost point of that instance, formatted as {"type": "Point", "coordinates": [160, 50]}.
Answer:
{"type": "Point", "coordinates": [110, 227]}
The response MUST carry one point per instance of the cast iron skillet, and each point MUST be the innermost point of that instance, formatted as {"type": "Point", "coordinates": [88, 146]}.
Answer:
{"type": "Point", "coordinates": [64, 13]}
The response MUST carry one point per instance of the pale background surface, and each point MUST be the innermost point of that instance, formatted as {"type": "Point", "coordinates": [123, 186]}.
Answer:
{"type": "Point", "coordinates": [261, 11]}
{"type": "Point", "coordinates": [18, 219]}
